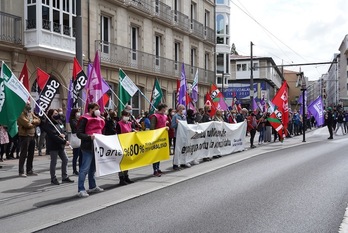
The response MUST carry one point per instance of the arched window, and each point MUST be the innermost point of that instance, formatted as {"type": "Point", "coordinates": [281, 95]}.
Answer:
{"type": "Point", "coordinates": [220, 24]}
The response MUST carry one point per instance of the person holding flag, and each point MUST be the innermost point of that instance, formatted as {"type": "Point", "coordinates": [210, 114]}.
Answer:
{"type": "Point", "coordinates": [27, 122]}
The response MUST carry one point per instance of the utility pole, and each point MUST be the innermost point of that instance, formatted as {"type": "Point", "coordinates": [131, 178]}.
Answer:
{"type": "Point", "coordinates": [78, 30]}
{"type": "Point", "coordinates": [251, 76]}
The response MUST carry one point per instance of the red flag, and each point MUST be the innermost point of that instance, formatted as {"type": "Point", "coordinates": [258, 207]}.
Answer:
{"type": "Point", "coordinates": [276, 124]}
{"type": "Point", "coordinates": [281, 101]}
{"type": "Point", "coordinates": [24, 76]}
{"type": "Point", "coordinates": [218, 97]}
{"type": "Point", "coordinates": [210, 102]}
{"type": "Point", "coordinates": [42, 78]}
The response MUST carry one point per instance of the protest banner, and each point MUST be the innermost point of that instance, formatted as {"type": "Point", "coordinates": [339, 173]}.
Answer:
{"type": "Point", "coordinates": [130, 150]}
{"type": "Point", "coordinates": [197, 141]}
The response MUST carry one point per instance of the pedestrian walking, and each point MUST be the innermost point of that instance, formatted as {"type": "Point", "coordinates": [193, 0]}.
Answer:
{"type": "Point", "coordinates": [329, 121]}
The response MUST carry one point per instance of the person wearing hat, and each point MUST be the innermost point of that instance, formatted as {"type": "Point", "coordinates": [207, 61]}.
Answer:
{"type": "Point", "coordinates": [329, 120]}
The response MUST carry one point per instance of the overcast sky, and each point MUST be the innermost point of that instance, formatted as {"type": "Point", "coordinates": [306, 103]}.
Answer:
{"type": "Point", "coordinates": [304, 31]}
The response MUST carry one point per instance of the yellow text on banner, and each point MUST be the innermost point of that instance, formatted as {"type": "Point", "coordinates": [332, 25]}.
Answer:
{"type": "Point", "coordinates": [143, 148]}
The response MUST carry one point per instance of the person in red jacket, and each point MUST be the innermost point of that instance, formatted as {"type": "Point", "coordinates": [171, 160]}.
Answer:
{"type": "Point", "coordinates": [89, 124]}
{"type": "Point", "coordinates": [251, 127]}
{"type": "Point", "coordinates": [159, 120]}
{"type": "Point", "coordinates": [124, 125]}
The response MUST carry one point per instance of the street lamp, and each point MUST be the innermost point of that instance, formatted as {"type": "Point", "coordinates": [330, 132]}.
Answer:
{"type": "Point", "coordinates": [303, 89]}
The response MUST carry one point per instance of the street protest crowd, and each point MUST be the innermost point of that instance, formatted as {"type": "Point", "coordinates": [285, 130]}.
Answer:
{"type": "Point", "coordinates": [49, 136]}
{"type": "Point", "coordinates": [24, 130]}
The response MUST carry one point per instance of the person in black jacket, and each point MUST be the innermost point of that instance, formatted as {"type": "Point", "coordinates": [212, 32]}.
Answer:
{"type": "Point", "coordinates": [329, 121]}
{"type": "Point", "coordinates": [56, 140]}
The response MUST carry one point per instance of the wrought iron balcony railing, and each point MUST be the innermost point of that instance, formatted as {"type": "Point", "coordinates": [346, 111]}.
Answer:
{"type": "Point", "coordinates": [163, 12]}
{"type": "Point", "coordinates": [197, 28]}
{"type": "Point", "coordinates": [11, 28]}
{"type": "Point", "coordinates": [142, 5]}
{"type": "Point", "coordinates": [181, 20]}
{"type": "Point", "coordinates": [145, 62]}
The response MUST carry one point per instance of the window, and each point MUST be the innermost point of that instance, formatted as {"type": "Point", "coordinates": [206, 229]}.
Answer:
{"type": "Point", "coordinates": [31, 12]}
{"type": "Point", "coordinates": [227, 63]}
{"type": "Point", "coordinates": [220, 1]}
{"type": "Point", "coordinates": [158, 45]}
{"type": "Point", "coordinates": [46, 23]}
{"type": "Point", "coordinates": [220, 63]}
{"type": "Point", "coordinates": [66, 24]}
{"type": "Point", "coordinates": [239, 67]}
{"type": "Point", "coordinates": [74, 7]}
{"type": "Point", "coordinates": [219, 40]}
{"type": "Point", "coordinates": [135, 102]}
{"type": "Point", "coordinates": [176, 7]}
{"type": "Point", "coordinates": [176, 55]}
{"type": "Point", "coordinates": [56, 21]}
{"type": "Point", "coordinates": [256, 66]}
{"type": "Point", "coordinates": [206, 61]}
{"type": "Point", "coordinates": [134, 42]}
{"type": "Point", "coordinates": [193, 59]}
{"type": "Point", "coordinates": [105, 33]}
{"type": "Point", "coordinates": [244, 67]}
{"type": "Point", "coordinates": [66, 5]}
{"type": "Point", "coordinates": [206, 21]}
{"type": "Point", "coordinates": [220, 24]}
{"type": "Point", "coordinates": [157, 7]}
{"type": "Point", "coordinates": [55, 4]}
{"type": "Point", "coordinates": [193, 13]}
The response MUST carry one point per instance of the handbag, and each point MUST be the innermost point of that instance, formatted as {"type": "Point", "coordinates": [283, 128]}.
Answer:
{"type": "Point", "coordinates": [75, 142]}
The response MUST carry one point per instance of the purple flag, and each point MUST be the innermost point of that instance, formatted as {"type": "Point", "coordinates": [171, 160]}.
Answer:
{"type": "Point", "coordinates": [317, 110]}
{"type": "Point", "coordinates": [194, 94]}
{"type": "Point", "coordinates": [254, 105]}
{"type": "Point", "coordinates": [300, 101]}
{"type": "Point", "coordinates": [183, 88]}
{"type": "Point", "coordinates": [69, 102]}
{"type": "Point", "coordinates": [94, 85]}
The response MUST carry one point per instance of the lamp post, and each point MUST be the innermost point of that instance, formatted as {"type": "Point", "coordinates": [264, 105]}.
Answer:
{"type": "Point", "coordinates": [303, 89]}
{"type": "Point", "coordinates": [251, 76]}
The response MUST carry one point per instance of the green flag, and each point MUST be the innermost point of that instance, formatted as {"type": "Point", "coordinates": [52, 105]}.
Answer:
{"type": "Point", "coordinates": [126, 89]}
{"type": "Point", "coordinates": [13, 98]}
{"type": "Point", "coordinates": [156, 96]}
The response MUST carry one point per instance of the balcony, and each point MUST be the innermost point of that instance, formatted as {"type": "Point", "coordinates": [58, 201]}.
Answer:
{"type": "Point", "coordinates": [181, 20]}
{"type": "Point", "coordinates": [117, 55]}
{"type": "Point", "coordinates": [209, 35]}
{"type": "Point", "coordinates": [141, 6]}
{"type": "Point", "coordinates": [163, 12]}
{"type": "Point", "coordinates": [49, 38]}
{"type": "Point", "coordinates": [196, 28]}
{"type": "Point", "coordinates": [11, 28]}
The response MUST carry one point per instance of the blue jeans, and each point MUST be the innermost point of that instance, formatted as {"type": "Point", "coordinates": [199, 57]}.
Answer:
{"type": "Point", "coordinates": [76, 155]}
{"type": "Point", "coordinates": [262, 133]}
{"type": "Point", "coordinates": [87, 167]}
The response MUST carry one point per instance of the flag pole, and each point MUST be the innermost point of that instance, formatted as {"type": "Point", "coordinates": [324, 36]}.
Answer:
{"type": "Point", "coordinates": [46, 116]}
{"type": "Point", "coordinates": [72, 90]}
{"type": "Point", "coordinates": [147, 99]}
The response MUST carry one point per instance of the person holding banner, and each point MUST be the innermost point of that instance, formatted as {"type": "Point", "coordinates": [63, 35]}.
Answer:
{"type": "Point", "coordinates": [251, 127]}
{"type": "Point", "coordinates": [124, 126]}
{"type": "Point", "coordinates": [89, 124]}
{"type": "Point", "coordinates": [27, 122]}
{"type": "Point", "coordinates": [159, 120]}
{"type": "Point", "coordinates": [56, 140]}
{"type": "Point", "coordinates": [179, 116]}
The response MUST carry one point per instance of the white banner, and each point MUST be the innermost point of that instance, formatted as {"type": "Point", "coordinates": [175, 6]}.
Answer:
{"type": "Point", "coordinates": [208, 139]}
{"type": "Point", "coordinates": [108, 154]}
{"type": "Point", "coordinates": [129, 86]}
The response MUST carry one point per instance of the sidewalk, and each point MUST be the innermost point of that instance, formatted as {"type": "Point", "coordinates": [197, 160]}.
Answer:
{"type": "Point", "coordinates": [23, 198]}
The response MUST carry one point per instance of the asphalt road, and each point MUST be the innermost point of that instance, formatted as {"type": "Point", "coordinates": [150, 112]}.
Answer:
{"type": "Point", "coordinates": [298, 189]}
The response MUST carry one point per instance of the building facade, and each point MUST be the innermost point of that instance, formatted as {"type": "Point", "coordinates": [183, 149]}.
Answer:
{"type": "Point", "coordinates": [223, 42]}
{"type": "Point", "coordinates": [267, 79]}
{"type": "Point", "coordinates": [148, 39]}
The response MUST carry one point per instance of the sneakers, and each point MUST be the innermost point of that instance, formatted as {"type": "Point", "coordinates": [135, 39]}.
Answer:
{"type": "Point", "coordinates": [31, 173]}
{"type": "Point", "coordinates": [82, 193]}
{"type": "Point", "coordinates": [96, 190]}
{"type": "Point", "coordinates": [76, 173]}
{"type": "Point", "coordinates": [176, 168]}
{"type": "Point", "coordinates": [55, 182]}
{"type": "Point", "coordinates": [195, 162]}
{"type": "Point", "coordinates": [186, 165]}
{"type": "Point", "coordinates": [22, 175]}
{"type": "Point", "coordinates": [67, 180]}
